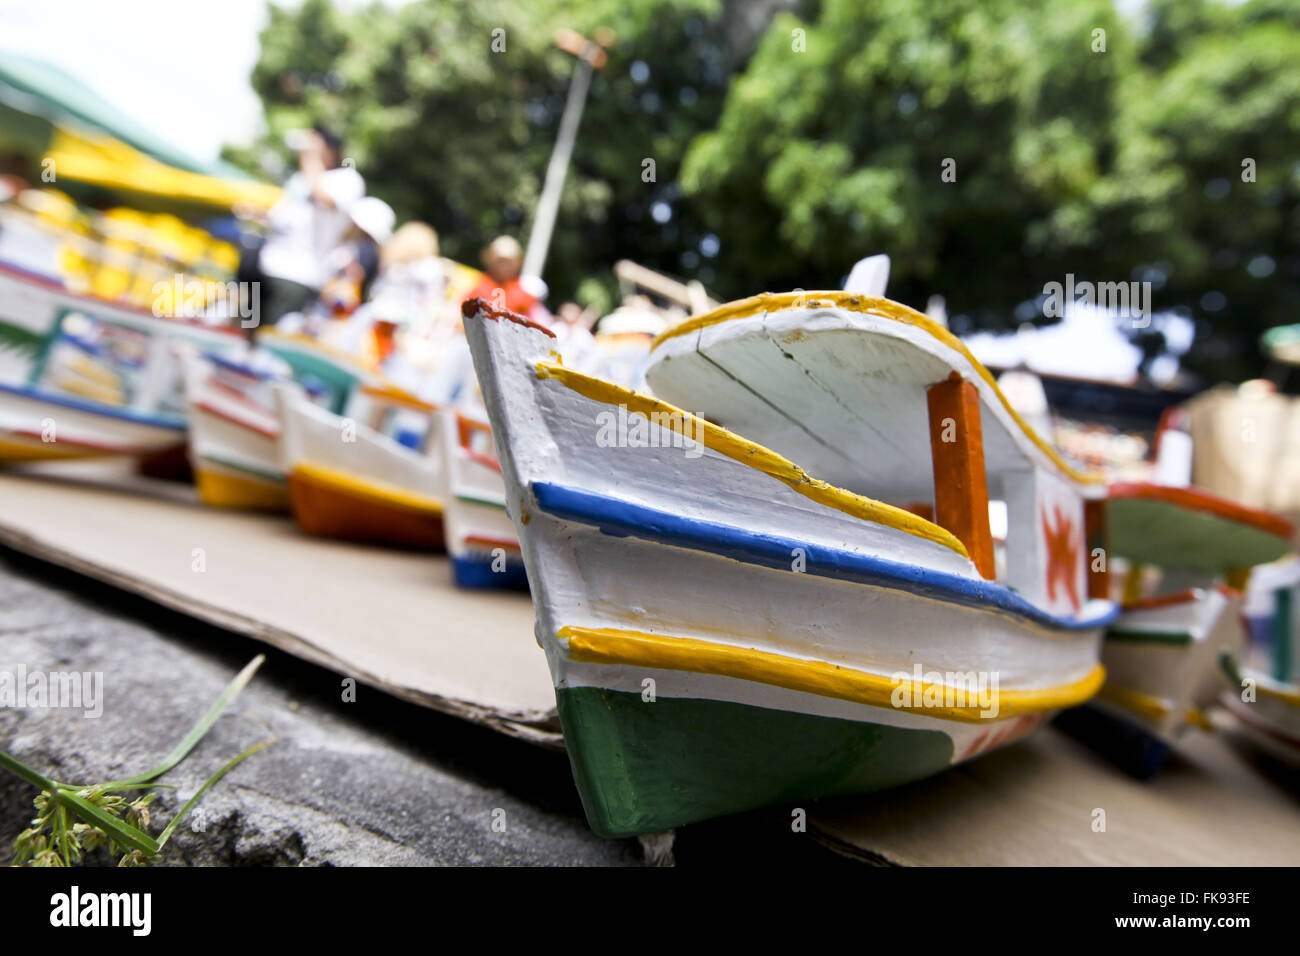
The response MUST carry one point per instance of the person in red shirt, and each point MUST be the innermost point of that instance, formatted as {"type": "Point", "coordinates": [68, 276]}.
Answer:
{"type": "Point", "coordinates": [500, 285]}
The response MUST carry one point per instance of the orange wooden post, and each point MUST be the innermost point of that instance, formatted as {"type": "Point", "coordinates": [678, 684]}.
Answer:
{"type": "Point", "coordinates": [1096, 536]}
{"type": "Point", "coordinates": [1237, 578]}
{"type": "Point", "coordinates": [961, 494]}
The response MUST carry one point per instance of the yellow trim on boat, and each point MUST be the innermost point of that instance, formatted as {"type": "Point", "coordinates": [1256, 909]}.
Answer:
{"type": "Point", "coordinates": [220, 489]}
{"type": "Point", "coordinates": [93, 390]}
{"type": "Point", "coordinates": [637, 649]}
{"type": "Point", "coordinates": [748, 453]}
{"type": "Point", "coordinates": [12, 450]}
{"type": "Point", "coordinates": [1144, 705]}
{"type": "Point", "coordinates": [882, 308]}
{"type": "Point", "coordinates": [396, 395]}
{"type": "Point", "coordinates": [366, 488]}
{"type": "Point", "coordinates": [1286, 695]}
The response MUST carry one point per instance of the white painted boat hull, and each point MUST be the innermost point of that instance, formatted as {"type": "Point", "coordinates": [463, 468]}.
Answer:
{"type": "Point", "coordinates": [480, 535]}
{"type": "Point", "coordinates": [738, 606]}
{"type": "Point", "coordinates": [348, 480]}
{"type": "Point", "coordinates": [234, 432]}
{"type": "Point", "coordinates": [1268, 711]}
{"type": "Point", "coordinates": [1162, 663]}
{"type": "Point", "coordinates": [47, 427]}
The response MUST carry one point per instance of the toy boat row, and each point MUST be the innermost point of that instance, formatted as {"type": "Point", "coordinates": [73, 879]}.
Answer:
{"type": "Point", "coordinates": [725, 630]}
{"type": "Point", "coordinates": [351, 456]}
{"type": "Point", "coordinates": [317, 433]}
{"type": "Point", "coordinates": [1264, 676]}
{"type": "Point", "coordinates": [89, 380]}
{"type": "Point", "coordinates": [1162, 655]}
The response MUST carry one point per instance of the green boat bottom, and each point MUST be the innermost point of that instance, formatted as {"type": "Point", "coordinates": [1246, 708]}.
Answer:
{"type": "Point", "coordinates": [643, 766]}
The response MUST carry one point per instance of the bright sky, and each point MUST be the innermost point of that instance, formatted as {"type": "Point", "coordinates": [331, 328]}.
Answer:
{"type": "Point", "coordinates": [179, 67]}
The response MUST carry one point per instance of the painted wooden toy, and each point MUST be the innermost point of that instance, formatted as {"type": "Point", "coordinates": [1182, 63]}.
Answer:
{"type": "Point", "coordinates": [1162, 653]}
{"type": "Point", "coordinates": [234, 434]}
{"type": "Point", "coordinates": [235, 447]}
{"type": "Point", "coordinates": [94, 386]}
{"type": "Point", "coordinates": [726, 631]}
{"type": "Point", "coordinates": [374, 472]}
{"type": "Point", "coordinates": [1264, 677]}
{"type": "Point", "coordinates": [480, 536]}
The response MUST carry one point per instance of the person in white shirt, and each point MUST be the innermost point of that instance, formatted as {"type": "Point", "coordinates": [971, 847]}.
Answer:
{"type": "Point", "coordinates": [306, 225]}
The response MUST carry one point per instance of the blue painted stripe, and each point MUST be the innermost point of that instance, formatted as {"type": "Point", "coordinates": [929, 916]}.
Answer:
{"type": "Point", "coordinates": [95, 408]}
{"type": "Point", "coordinates": [474, 572]}
{"type": "Point", "coordinates": [227, 363]}
{"type": "Point", "coordinates": [309, 385]}
{"type": "Point", "coordinates": [615, 516]}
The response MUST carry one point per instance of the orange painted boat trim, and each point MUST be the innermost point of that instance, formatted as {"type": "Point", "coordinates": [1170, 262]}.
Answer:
{"type": "Point", "coordinates": [335, 510]}
{"type": "Point", "coordinates": [1196, 499]}
{"type": "Point", "coordinates": [1160, 600]}
{"type": "Point", "coordinates": [396, 396]}
{"type": "Point", "coordinates": [478, 541]}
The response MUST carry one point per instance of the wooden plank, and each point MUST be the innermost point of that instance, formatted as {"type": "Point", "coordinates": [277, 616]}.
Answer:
{"type": "Point", "coordinates": [961, 494]}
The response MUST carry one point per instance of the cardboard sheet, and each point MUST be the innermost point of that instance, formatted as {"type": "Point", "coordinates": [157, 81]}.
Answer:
{"type": "Point", "coordinates": [391, 619]}
{"type": "Point", "coordinates": [1035, 803]}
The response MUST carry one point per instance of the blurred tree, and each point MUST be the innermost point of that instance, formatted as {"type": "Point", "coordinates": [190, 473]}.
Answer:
{"type": "Point", "coordinates": [1221, 120]}
{"type": "Point", "coordinates": [453, 123]}
{"type": "Point", "coordinates": [768, 144]}
{"type": "Point", "coordinates": [1122, 164]}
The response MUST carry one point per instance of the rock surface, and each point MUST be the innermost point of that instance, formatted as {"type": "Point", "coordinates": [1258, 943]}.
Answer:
{"type": "Point", "coordinates": [375, 781]}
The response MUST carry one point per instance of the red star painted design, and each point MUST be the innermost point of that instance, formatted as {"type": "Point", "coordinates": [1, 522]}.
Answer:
{"type": "Point", "coordinates": [1062, 557]}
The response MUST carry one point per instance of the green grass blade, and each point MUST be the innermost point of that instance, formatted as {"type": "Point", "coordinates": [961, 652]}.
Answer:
{"type": "Point", "coordinates": [60, 822]}
{"type": "Point", "coordinates": [182, 749]}
{"type": "Point", "coordinates": [121, 831]}
{"type": "Point", "coordinates": [230, 765]}
{"type": "Point", "coordinates": [16, 766]}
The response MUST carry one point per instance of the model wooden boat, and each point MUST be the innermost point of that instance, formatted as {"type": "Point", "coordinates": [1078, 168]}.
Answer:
{"type": "Point", "coordinates": [94, 386]}
{"type": "Point", "coordinates": [726, 631]}
{"type": "Point", "coordinates": [1264, 678]}
{"type": "Point", "coordinates": [235, 448]}
{"type": "Point", "coordinates": [234, 435]}
{"type": "Point", "coordinates": [1271, 715]}
{"type": "Point", "coordinates": [480, 536]}
{"type": "Point", "coordinates": [374, 473]}
{"type": "Point", "coordinates": [1162, 653]}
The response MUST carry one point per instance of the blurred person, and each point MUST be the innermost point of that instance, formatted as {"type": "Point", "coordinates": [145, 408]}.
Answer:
{"type": "Point", "coordinates": [623, 340]}
{"type": "Point", "coordinates": [501, 286]}
{"type": "Point", "coordinates": [304, 227]}
{"type": "Point", "coordinates": [572, 328]}
{"type": "Point", "coordinates": [411, 280]}
{"type": "Point", "coordinates": [354, 263]}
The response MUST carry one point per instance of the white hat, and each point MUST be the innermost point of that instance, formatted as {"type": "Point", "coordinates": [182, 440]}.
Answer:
{"type": "Point", "coordinates": [374, 217]}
